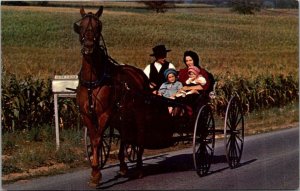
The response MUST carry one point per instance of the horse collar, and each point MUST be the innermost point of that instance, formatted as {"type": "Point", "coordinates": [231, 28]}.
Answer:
{"type": "Point", "coordinates": [90, 85]}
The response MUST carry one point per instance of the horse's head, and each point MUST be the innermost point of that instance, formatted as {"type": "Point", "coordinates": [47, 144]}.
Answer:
{"type": "Point", "coordinates": [89, 29]}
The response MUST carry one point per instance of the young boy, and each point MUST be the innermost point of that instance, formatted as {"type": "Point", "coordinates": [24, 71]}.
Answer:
{"type": "Point", "coordinates": [171, 86]}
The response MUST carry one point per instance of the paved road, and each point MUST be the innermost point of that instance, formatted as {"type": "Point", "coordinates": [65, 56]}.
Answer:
{"type": "Point", "coordinates": [270, 161]}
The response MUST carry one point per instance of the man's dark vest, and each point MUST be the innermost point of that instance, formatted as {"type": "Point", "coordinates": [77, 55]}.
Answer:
{"type": "Point", "coordinates": [158, 77]}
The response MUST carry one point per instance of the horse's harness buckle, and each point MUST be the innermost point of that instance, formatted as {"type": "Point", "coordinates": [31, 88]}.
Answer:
{"type": "Point", "coordinates": [126, 86]}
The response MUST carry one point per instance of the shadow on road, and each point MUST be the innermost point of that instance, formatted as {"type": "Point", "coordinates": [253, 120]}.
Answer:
{"type": "Point", "coordinates": [178, 163]}
{"type": "Point", "coordinates": [246, 162]}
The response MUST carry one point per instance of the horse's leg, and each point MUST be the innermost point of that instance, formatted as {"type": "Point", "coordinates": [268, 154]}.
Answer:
{"type": "Point", "coordinates": [103, 113]}
{"type": "Point", "coordinates": [140, 122]}
{"type": "Point", "coordinates": [95, 140]}
{"type": "Point", "coordinates": [123, 166]}
{"type": "Point", "coordinates": [95, 134]}
{"type": "Point", "coordinates": [139, 162]}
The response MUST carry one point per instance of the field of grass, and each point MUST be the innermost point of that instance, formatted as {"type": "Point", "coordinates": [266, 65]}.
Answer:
{"type": "Point", "coordinates": [41, 42]}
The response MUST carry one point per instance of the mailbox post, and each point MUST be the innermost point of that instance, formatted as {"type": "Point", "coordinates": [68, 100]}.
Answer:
{"type": "Point", "coordinates": [62, 86]}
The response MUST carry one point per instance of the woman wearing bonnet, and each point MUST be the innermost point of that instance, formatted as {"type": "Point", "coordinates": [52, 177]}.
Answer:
{"type": "Point", "coordinates": [193, 100]}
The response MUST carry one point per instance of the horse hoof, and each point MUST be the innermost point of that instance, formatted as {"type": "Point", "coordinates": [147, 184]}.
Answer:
{"type": "Point", "coordinates": [93, 184]}
{"type": "Point", "coordinates": [140, 175]}
{"type": "Point", "coordinates": [122, 173]}
{"type": "Point", "coordinates": [123, 170]}
{"type": "Point", "coordinates": [95, 180]}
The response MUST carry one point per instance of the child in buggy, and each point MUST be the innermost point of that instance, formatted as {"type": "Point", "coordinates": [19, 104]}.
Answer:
{"type": "Point", "coordinates": [171, 86]}
{"type": "Point", "coordinates": [195, 78]}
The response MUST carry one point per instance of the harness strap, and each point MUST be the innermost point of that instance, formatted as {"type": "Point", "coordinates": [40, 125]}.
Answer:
{"type": "Point", "coordinates": [91, 85]}
{"type": "Point", "coordinates": [92, 111]}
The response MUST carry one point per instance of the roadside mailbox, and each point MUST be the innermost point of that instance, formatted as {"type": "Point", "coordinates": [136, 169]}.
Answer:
{"type": "Point", "coordinates": [62, 86]}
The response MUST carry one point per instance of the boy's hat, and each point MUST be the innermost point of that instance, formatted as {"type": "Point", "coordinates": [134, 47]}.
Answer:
{"type": "Point", "coordinates": [159, 50]}
{"type": "Point", "coordinates": [194, 69]}
{"type": "Point", "coordinates": [170, 71]}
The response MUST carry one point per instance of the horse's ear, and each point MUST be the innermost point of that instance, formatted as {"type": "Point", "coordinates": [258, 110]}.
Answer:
{"type": "Point", "coordinates": [82, 12]}
{"type": "Point", "coordinates": [99, 12]}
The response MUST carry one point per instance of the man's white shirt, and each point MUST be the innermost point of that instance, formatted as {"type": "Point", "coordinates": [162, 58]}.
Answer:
{"type": "Point", "coordinates": [157, 66]}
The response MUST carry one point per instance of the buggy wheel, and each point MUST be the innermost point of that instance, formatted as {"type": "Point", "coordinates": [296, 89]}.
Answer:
{"type": "Point", "coordinates": [104, 148]}
{"type": "Point", "coordinates": [203, 140]}
{"type": "Point", "coordinates": [234, 132]}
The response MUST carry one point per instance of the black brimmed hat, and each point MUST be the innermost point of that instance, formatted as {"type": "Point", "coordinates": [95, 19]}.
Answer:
{"type": "Point", "coordinates": [159, 50]}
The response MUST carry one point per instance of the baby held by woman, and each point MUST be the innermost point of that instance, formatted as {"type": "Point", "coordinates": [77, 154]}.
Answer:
{"type": "Point", "coordinates": [195, 78]}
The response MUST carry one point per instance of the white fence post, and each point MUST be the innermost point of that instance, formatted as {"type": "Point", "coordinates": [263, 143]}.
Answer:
{"type": "Point", "coordinates": [62, 86]}
{"type": "Point", "coordinates": [56, 120]}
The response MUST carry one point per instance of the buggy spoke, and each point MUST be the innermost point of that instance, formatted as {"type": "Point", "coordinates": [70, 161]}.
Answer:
{"type": "Point", "coordinates": [240, 138]}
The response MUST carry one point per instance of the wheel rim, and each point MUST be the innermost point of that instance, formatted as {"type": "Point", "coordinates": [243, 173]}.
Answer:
{"type": "Point", "coordinates": [104, 148]}
{"type": "Point", "coordinates": [234, 132]}
{"type": "Point", "coordinates": [203, 140]}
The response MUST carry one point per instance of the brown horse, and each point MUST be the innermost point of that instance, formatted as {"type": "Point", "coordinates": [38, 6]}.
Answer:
{"type": "Point", "coordinates": [116, 95]}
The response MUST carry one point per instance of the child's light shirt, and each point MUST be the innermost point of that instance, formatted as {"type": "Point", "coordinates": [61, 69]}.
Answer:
{"type": "Point", "coordinates": [169, 89]}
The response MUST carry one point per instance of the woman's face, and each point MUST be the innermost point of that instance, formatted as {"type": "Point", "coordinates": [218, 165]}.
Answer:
{"type": "Point", "coordinates": [189, 61]}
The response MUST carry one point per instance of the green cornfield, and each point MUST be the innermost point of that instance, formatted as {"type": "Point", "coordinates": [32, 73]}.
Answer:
{"type": "Point", "coordinates": [253, 55]}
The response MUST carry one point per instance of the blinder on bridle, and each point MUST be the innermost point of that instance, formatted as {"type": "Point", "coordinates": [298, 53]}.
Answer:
{"type": "Point", "coordinates": [90, 34]}
{"type": "Point", "coordinates": [77, 27]}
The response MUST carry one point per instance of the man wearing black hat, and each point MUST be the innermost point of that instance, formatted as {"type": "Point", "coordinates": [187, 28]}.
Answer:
{"type": "Point", "coordinates": [155, 71]}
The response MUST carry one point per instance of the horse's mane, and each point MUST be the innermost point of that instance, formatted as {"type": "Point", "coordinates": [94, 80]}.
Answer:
{"type": "Point", "coordinates": [105, 66]}
{"type": "Point", "coordinates": [136, 78]}
{"type": "Point", "coordinates": [101, 64]}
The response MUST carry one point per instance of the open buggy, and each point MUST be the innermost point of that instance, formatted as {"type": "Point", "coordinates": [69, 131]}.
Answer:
{"type": "Point", "coordinates": [115, 101]}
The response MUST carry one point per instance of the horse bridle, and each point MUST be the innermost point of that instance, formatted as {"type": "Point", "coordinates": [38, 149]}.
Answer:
{"type": "Point", "coordinates": [98, 41]}
{"type": "Point", "coordinates": [97, 36]}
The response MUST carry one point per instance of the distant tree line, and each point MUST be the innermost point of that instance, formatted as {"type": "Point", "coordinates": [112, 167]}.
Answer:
{"type": "Point", "coordinates": [158, 6]}
{"type": "Point", "coordinates": [25, 3]}
{"type": "Point", "coordinates": [240, 6]}
{"type": "Point", "coordinates": [161, 6]}
{"type": "Point", "coordinates": [245, 6]}
{"type": "Point", "coordinates": [262, 3]}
